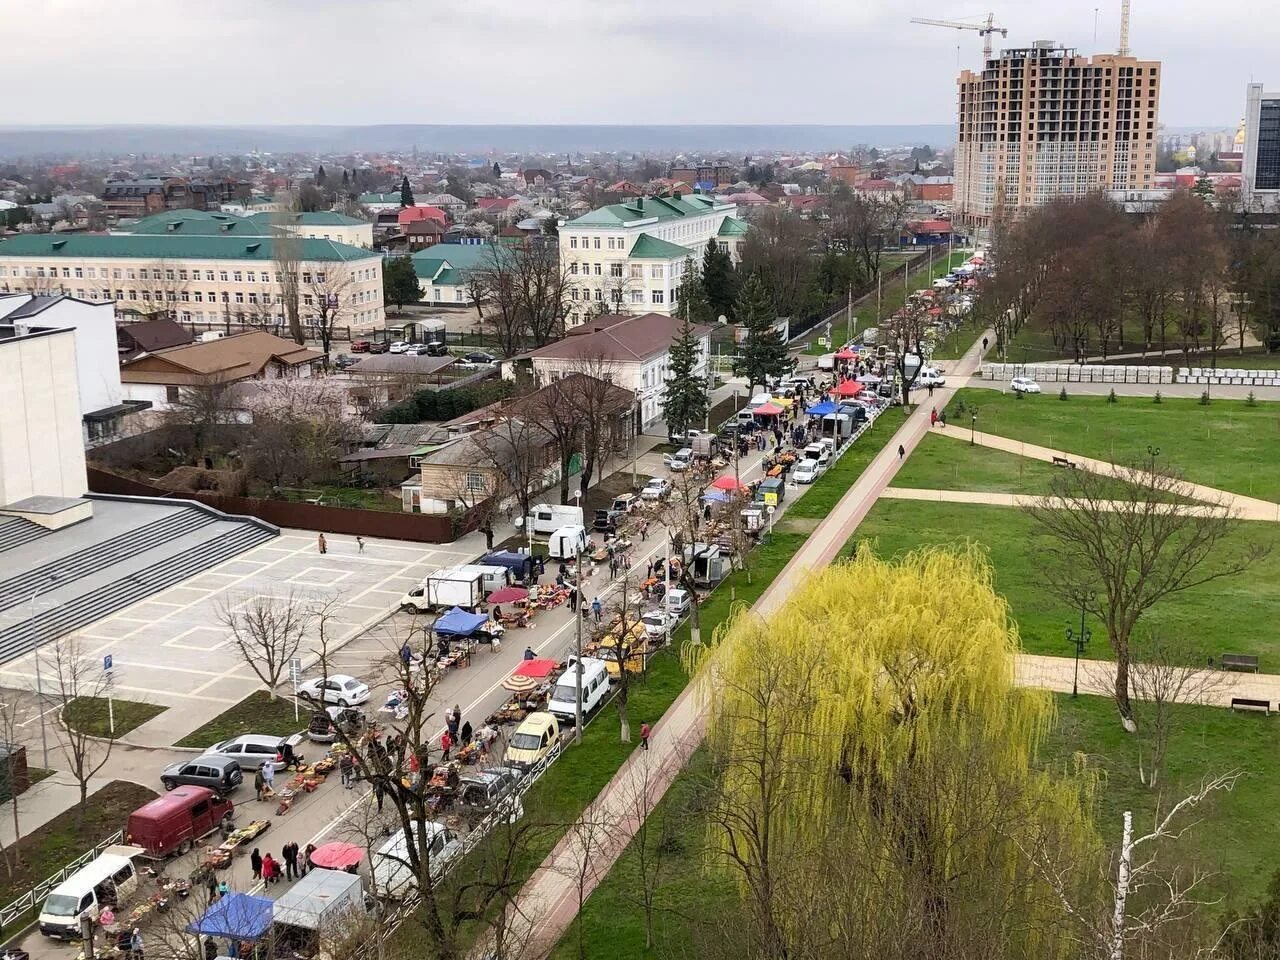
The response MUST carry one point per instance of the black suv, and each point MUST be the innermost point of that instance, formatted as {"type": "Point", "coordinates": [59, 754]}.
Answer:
{"type": "Point", "coordinates": [219, 774]}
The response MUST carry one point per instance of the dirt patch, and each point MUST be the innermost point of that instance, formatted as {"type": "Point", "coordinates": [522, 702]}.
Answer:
{"type": "Point", "coordinates": [67, 836]}
{"type": "Point", "coordinates": [796, 525]}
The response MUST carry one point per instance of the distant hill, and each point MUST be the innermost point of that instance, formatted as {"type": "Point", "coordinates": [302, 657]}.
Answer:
{"type": "Point", "coordinates": [429, 138]}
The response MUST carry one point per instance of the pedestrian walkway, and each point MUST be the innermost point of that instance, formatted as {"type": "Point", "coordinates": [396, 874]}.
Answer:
{"type": "Point", "coordinates": [54, 795]}
{"type": "Point", "coordinates": [1245, 508]}
{"type": "Point", "coordinates": [1214, 687]}
{"type": "Point", "coordinates": [990, 498]}
{"type": "Point", "coordinates": [549, 901]}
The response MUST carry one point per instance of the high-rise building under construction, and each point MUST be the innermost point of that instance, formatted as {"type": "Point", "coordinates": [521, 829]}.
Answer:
{"type": "Point", "coordinates": [1042, 122]}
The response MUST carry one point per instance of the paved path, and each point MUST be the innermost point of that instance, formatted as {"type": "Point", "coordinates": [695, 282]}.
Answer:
{"type": "Point", "coordinates": [549, 901]}
{"type": "Point", "coordinates": [1271, 515]}
{"type": "Point", "coordinates": [1187, 390]}
{"type": "Point", "coordinates": [1097, 677]}
{"type": "Point", "coordinates": [1245, 508]}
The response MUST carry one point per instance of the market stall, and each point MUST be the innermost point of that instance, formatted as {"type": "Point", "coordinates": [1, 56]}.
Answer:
{"type": "Point", "coordinates": [337, 855]}
{"type": "Point", "coordinates": [530, 686]}
{"type": "Point", "coordinates": [235, 917]}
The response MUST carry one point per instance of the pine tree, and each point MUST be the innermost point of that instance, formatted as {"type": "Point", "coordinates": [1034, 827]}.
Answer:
{"type": "Point", "coordinates": [763, 353]}
{"type": "Point", "coordinates": [320, 176]}
{"type": "Point", "coordinates": [346, 181]}
{"type": "Point", "coordinates": [406, 193]}
{"type": "Point", "coordinates": [1203, 188]}
{"type": "Point", "coordinates": [497, 170]}
{"type": "Point", "coordinates": [400, 282]}
{"type": "Point", "coordinates": [692, 303]}
{"type": "Point", "coordinates": [717, 279]}
{"type": "Point", "coordinates": [684, 396]}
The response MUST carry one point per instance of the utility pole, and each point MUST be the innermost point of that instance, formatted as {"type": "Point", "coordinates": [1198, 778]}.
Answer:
{"type": "Point", "coordinates": [577, 650]}
{"type": "Point", "coordinates": [848, 332]}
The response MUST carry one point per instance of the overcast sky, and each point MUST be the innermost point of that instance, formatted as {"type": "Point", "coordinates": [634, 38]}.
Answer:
{"type": "Point", "coordinates": [578, 61]}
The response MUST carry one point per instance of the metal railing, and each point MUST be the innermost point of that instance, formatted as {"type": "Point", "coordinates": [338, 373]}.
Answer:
{"type": "Point", "coordinates": [36, 895]}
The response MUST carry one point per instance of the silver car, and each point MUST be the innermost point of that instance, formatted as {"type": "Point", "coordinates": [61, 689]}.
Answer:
{"type": "Point", "coordinates": [252, 750]}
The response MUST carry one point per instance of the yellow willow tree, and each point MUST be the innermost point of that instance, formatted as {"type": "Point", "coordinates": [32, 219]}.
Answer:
{"type": "Point", "coordinates": [874, 789]}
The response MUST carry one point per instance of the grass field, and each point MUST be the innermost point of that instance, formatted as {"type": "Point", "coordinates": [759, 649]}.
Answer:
{"type": "Point", "coordinates": [1036, 346]}
{"type": "Point", "coordinates": [827, 490]}
{"type": "Point", "coordinates": [91, 714]}
{"type": "Point", "coordinates": [256, 713]}
{"type": "Point", "coordinates": [1228, 616]}
{"type": "Point", "coordinates": [1226, 444]}
{"type": "Point", "coordinates": [1233, 838]}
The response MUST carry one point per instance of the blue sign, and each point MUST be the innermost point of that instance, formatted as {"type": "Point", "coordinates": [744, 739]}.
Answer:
{"type": "Point", "coordinates": [106, 662]}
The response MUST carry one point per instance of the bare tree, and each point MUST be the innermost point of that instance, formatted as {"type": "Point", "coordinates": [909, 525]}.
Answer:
{"type": "Point", "coordinates": [652, 838]}
{"type": "Point", "coordinates": [516, 448]}
{"type": "Point", "coordinates": [9, 723]}
{"type": "Point", "coordinates": [201, 411]}
{"type": "Point", "coordinates": [331, 300]}
{"type": "Point", "coordinates": [623, 641]}
{"type": "Point", "coordinates": [266, 631]}
{"type": "Point", "coordinates": [300, 429]}
{"type": "Point", "coordinates": [554, 407]}
{"type": "Point", "coordinates": [607, 411]}
{"type": "Point", "coordinates": [286, 247]}
{"type": "Point", "coordinates": [78, 679]}
{"type": "Point", "coordinates": [907, 330]}
{"type": "Point", "coordinates": [1122, 542]}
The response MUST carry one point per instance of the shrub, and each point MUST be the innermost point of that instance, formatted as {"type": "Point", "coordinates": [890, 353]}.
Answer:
{"type": "Point", "coordinates": [1111, 397]}
{"type": "Point", "coordinates": [1204, 399]}
{"type": "Point", "coordinates": [1159, 398]}
{"type": "Point", "coordinates": [1062, 393]}
{"type": "Point", "coordinates": [1250, 400]}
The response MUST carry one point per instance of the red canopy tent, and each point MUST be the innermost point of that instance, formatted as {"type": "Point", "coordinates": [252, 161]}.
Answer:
{"type": "Point", "coordinates": [846, 354]}
{"type": "Point", "coordinates": [767, 410]}
{"type": "Point", "coordinates": [847, 388]}
{"type": "Point", "coordinates": [508, 595]}
{"type": "Point", "coordinates": [536, 669]}
{"type": "Point", "coordinates": [337, 855]}
{"type": "Point", "coordinates": [727, 483]}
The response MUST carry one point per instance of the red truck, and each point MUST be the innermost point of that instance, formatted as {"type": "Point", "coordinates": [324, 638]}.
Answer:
{"type": "Point", "coordinates": [173, 823]}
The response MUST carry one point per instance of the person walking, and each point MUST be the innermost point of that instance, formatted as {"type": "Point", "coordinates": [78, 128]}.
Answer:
{"type": "Point", "coordinates": [223, 889]}
{"type": "Point", "coordinates": [347, 767]}
{"type": "Point", "coordinates": [644, 736]}
{"type": "Point", "coordinates": [135, 944]}
{"type": "Point", "coordinates": [255, 861]}
{"type": "Point", "coordinates": [359, 544]}
{"type": "Point", "coordinates": [270, 869]}
{"type": "Point", "coordinates": [322, 544]}
{"type": "Point", "coordinates": [942, 419]}
{"type": "Point", "coordinates": [597, 610]}
{"type": "Point", "coordinates": [573, 598]}
{"type": "Point", "coordinates": [933, 417]}
{"type": "Point", "coordinates": [446, 744]}
{"type": "Point", "coordinates": [212, 887]}
{"type": "Point", "coordinates": [259, 781]}
{"type": "Point", "coordinates": [902, 452]}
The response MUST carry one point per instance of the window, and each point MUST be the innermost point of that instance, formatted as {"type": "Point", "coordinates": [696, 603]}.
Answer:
{"type": "Point", "coordinates": [636, 271]}
{"type": "Point", "coordinates": [658, 296]}
{"type": "Point", "coordinates": [474, 481]}
{"type": "Point", "coordinates": [307, 300]}
{"type": "Point", "coordinates": [319, 277]}
{"type": "Point", "coordinates": [239, 297]}
{"type": "Point", "coordinates": [168, 275]}
{"type": "Point", "coordinates": [252, 276]}
{"type": "Point", "coordinates": [306, 276]}
{"type": "Point", "coordinates": [597, 269]}
{"type": "Point", "coordinates": [239, 276]}
{"type": "Point", "coordinates": [598, 297]}
{"type": "Point", "coordinates": [80, 273]}
{"type": "Point", "coordinates": [656, 272]}
{"type": "Point", "coordinates": [597, 244]}
{"type": "Point", "coordinates": [222, 275]}
{"type": "Point", "coordinates": [573, 268]}
{"type": "Point", "coordinates": [208, 274]}
{"type": "Point", "coordinates": [199, 297]}
{"type": "Point", "coordinates": [171, 394]}
{"type": "Point", "coordinates": [615, 270]}
{"type": "Point", "coordinates": [637, 296]}
{"type": "Point", "coordinates": [573, 243]}
{"type": "Point", "coordinates": [115, 274]}
{"type": "Point", "coordinates": [182, 274]}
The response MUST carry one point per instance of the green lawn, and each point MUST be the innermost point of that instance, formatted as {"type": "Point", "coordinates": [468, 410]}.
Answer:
{"type": "Point", "coordinates": [1036, 346]}
{"type": "Point", "coordinates": [1228, 616]}
{"type": "Point", "coordinates": [826, 491]}
{"type": "Point", "coordinates": [1231, 838]}
{"type": "Point", "coordinates": [256, 713]}
{"type": "Point", "coordinates": [91, 715]}
{"type": "Point", "coordinates": [1226, 444]}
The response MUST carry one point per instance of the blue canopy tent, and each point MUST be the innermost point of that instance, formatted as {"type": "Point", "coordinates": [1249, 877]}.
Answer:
{"type": "Point", "coordinates": [237, 916]}
{"type": "Point", "coordinates": [458, 623]}
{"type": "Point", "coordinates": [822, 409]}
{"type": "Point", "coordinates": [716, 496]}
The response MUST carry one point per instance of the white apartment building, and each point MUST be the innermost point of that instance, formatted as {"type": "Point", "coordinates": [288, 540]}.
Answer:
{"type": "Point", "coordinates": [1261, 167]}
{"type": "Point", "coordinates": [195, 278]}
{"type": "Point", "coordinates": [41, 448]}
{"type": "Point", "coordinates": [97, 360]}
{"type": "Point", "coordinates": [630, 256]}
{"type": "Point", "coordinates": [1042, 122]}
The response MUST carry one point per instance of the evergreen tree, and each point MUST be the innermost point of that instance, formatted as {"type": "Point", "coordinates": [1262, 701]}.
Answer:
{"type": "Point", "coordinates": [1203, 188]}
{"type": "Point", "coordinates": [684, 396]}
{"type": "Point", "coordinates": [497, 170]}
{"type": "Point", "coordinates": [763, 353]}
{"type": "Point", "coordinates": [406, 193]}
{"type": "Point", "coordinates": [717, 279]}
{"type": "Point", "coordinates": [320, 176]}
{"type": "Point", "coordinates": [346, 181]}
{"type": "Point", "coordinates": [400, 282]}
{"type": "Point", "coordinates": [691, 299]}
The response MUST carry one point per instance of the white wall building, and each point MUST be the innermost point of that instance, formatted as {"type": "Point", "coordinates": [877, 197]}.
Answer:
{"type": "Point", "coordinates": [630, 256]}
{"type": "Point", "coordinates": [631, 351]}
{"type": "Point", "coordinates": [41, 450]}
{"type": "Point", "coordinates": [1260, 172]}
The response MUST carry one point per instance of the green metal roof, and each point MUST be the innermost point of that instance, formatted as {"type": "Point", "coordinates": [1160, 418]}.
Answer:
{"type": "Point", "coordinates": [660, 208]}
{"type": "Point", "coordinates": [651, 248]}
{"type": "Point", "coordinates": [198, 223]}
{"type": "Point", "coordinates": [379, 198]}
{"type": "Point", "coordinates": [317, 218]}
{"type": "Point", "coordinates": [449, 277]}
{"type": "Point", "coordinates": [173, 247]}
{"type": "Point", "coordinates": [732, 227]}
{"type": "Point", "coordinates": [454, 258]}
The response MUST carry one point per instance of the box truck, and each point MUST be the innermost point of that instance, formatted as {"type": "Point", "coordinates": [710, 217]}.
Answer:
{"type": "Point", "coordinates": [452, 587]}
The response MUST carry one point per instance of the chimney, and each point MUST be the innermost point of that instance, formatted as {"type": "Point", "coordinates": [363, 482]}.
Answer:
{"type": "Point", "coordinates": [677, 194]}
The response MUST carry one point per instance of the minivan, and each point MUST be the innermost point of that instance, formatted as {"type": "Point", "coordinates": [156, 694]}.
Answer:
{"type": "Point", "coordinates": [252, 750]}
{"type": "Point", "coordinates": [496, 576]}
{"type": "Point", "coordinates": [390, 873]}
{"type": "Point", "coordinates": [550, 517]}
{"type": "Point", "coordinates": [219, 774]}
{"type": "Point", "coordinates": [564, 696]}
{"type": "Point", "coordinates": [174, 822]}
{"type": "Point", "coordinates": [567, 542]}
{"type": "Point", "coordinates": [537, 735]}
{"type": "Point", "coordinates": [109, 880]}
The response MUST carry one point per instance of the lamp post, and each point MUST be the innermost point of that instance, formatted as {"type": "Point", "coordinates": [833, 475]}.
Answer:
{"type": "Point", "coordinates": [44, 735]}
{"type": "Point", "coordinates": [577, 640]}
{"type": "Point", "coordinates": [973, 426]}
{"type": "Point", "coordinates": [1153, 452]}
{"type": "Point", "coordinates": [1080, 640]}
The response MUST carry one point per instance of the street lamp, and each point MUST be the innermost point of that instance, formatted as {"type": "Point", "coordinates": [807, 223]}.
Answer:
{"type": "Point", "coordinates": [1080, 640]}
{"type": "Point", "coordinates": [1153, 453]}
{"type": "Point", "coordinates": [973, 426]}
{"type": "Point", "coordinates": [577, 637]}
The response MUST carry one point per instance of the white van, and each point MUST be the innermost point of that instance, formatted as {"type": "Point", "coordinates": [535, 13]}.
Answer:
{"type": "Point", "coordinates": [567, 542]}
{"type": "Point", "coordinates": [564, 697]}
{"type": "Point", "coordinates": [493, 577]}
{"type": "Point", "coordinates": [389, 868]}
{"type": "Point", "coordinates": [550, 517]}
{"type": "Point", "coordinates": [110, 879]}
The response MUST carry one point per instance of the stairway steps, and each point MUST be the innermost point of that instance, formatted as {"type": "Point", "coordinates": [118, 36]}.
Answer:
{"type": "Point", "coordinates": [15, 531]}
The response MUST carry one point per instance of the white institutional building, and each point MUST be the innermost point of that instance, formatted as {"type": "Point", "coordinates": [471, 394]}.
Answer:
{"type": "Point", "coordinates": [629, 257]}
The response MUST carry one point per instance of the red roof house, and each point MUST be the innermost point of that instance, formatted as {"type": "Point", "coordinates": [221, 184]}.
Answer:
{"type": "Point", "coordinates": [410, 215]}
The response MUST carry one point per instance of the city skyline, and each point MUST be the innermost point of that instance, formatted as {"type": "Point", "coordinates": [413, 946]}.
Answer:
{"type": "Point", "coordinates": [816, 62]}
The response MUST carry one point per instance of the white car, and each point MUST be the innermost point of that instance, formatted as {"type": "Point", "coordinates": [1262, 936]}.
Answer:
{"type": "Point", "coordinates": [679, 460]}
{"type": "Point", "coordinates": [1024, 385]}
{"type": "Point", "coordinates": [339, 688]}
{"type": "Point", "coordinates": [655, 489]}
{"type": "Point", "coordinates": [398, 346]}
{"type": "Point", "coordinates": [930, 378]}
{"type": "Point", "coordinates": [806, 471]}
{"type": "Point", "coordinates": [657, 623]}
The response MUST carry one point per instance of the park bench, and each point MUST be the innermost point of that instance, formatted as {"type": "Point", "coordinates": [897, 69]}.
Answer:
{"type": "Point", "coordinates": [1248, 703]}
{"type": "Point", "coordinates": [1239, 661]}
{"type": "Point", "coordinates": [1063, 462]}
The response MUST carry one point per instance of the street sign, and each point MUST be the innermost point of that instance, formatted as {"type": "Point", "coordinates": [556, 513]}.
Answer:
{"type": "Point", "coordinates": [106, 663]}
{"type": "Point", "coordinates": [295, 670]}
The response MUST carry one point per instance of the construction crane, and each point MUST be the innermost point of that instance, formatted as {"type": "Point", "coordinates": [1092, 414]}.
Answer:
{"type": "Point", "coordinates": [985, 30]}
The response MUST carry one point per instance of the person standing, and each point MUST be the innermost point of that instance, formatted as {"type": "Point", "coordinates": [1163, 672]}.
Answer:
{"type": "Point", "coordinates": [259, 781]}
{"type": "Point", "coordinates": [597, 610]}
{"type": "Point", "coordinates": [933, 414]}
{"type": "Point", "coordinates": [347, 767]}
{"type": "Point", "coordinates": [465, 736]}
{"type": "Point", "coordinates": [359, 544]}
{"type": "Point", "coordinates": [270, 869]}
{"type": "Point", "coordinates": [321, 544]}
{"type": "Point", "coordinates": [446, 744]}
{"type": "Point", "coordinates": [135, 944]}
{"type": "Point", "coordinates": [644, 736]}
{"type": "Point", "coordinates": [255, 861]}
{"type": "Point", "coordinates": [269, 776]}
{"type": "Point", "coordinates": [306, 856]}
{"type": "Point", "coordinates": [529, 654]}
{"type": "Point", "coordinates": [290, 853]}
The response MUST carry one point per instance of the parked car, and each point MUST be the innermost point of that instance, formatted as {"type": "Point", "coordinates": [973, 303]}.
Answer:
{"type": "Point", "coordinates": [414, 350]}
{"type": "Point", "coordinates": [656, 488]}
{"type": "Point", "coordinates": [437, 348]}
{"type": "Point", "coordinates": [398, 346]}
{"type": "Point", "coordinates": [606, 521]}
{"type": "Point", "coordinates": [175, 822]}
{"type": "Point", "coordinates": [626, 502]}
{"type": "Point", "coordinates": [219, 774]}
{"type": "Point", "coordinates": [930, 377]}
{"type": "Point", "coordinates": [481, 358]}
{"type": "Point", "coordinates": [678, 602]}
{"type": "Point", "coordinates": [326, 723]}
{"type": "Point", "coordinates": [345, 360]}
{"type": "Point", "coordinates": [359, 346]}
{"type": "Point", "coordinates": [536, 737]}
{"type": "Point", "coordinates": [1024, 385]}
{"type": "Point", "coordinates": [656, 623]}
{"type": "Point", "coordinates": [481, 791]}
{"type": "Point", "coordinates": [251, 750]}
{"type": "Point", "coordinates": [378, 346]}
{"type": "Point", "coordinates": [806, 471]}
{"type": "Point", "coordinates": [679, 460]}
{"type": "Point", "coordinates": [462, 363]}
{"type": "Point", "coordinates": [345, 691]}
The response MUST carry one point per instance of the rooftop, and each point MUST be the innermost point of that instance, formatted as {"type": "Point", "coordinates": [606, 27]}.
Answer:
{"type": "Point", "coordinates": [647, 247]}
{"type": "Point", "coordinates": [237, 357]}
{"type": "Point", "coordinates": [617, 338]}
{"type": "Point", "coordinates": [173, 247]}
{"type": "Point", "coordinates": [648, 208]}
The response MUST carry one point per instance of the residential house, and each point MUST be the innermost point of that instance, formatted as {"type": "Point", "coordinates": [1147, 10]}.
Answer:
{"type": "Point", "coordinates": [632, 352]}
{"type": "Point", "coordinates": [378, 202]}
{"type": "Point", "coordinates": [537, 177]}
{"type": "Point", "coordinates": [875, 187]}
{"type": "Point", "coordinates": [409, 215]}
{"type": "Point", "coordinates": [932, 189]}
{"type": "Point", "coordinates": [421, 234]}
{"type": "Point", "coordinates": [844, 173]}
{"type": "Point", "coordinates": [926, 232]}
{"type": "Point", "coordinates": [447, 202]}
{"type": "Point", "coordinates": [631, 255]}
{"type": "Point", "coordinates": [148, 336]}
{"type": "Point", "coordinates": [710, 174]}
{"type": "Point", "coordinates": [140, 197]}
{"type": "Point", "coordinates": [160, 377]}
{"type": "Point", "coordinates": [379, 380]}
{"type": "Point", "coordinates": [443, 268]}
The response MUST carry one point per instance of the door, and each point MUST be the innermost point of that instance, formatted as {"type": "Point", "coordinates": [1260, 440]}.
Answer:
{"type": "Point", "coordinates": [201, 821]}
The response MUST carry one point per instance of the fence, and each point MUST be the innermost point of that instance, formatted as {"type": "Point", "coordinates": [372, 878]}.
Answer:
{"type": "Point", "coordinates": [35, 896]}
{"type": "Point", "coordinates": [1229, 377]}
{"type": "Point", "coordinates": [279, 329]}
{"type": "Point", "coordinates": [420, 528]}
{"type": "Point", "coordinates": [1077, 372]}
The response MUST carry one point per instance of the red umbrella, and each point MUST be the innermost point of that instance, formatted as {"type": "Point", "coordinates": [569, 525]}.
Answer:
{"type": "Point", "coordinates": [536, 668]}
{"type": "Point", "coordinates": [846, 354]}
{"type": "Point", "coordinates": [508, 595]}
{"type": "Point", "coordinates": [848, 388]}
{"type": "Point", "coordinates": [727, 483]}
{"type": "Point", "coordinates": [337, 855]}
{"type": "Point", "coordinates": [767, 410]}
